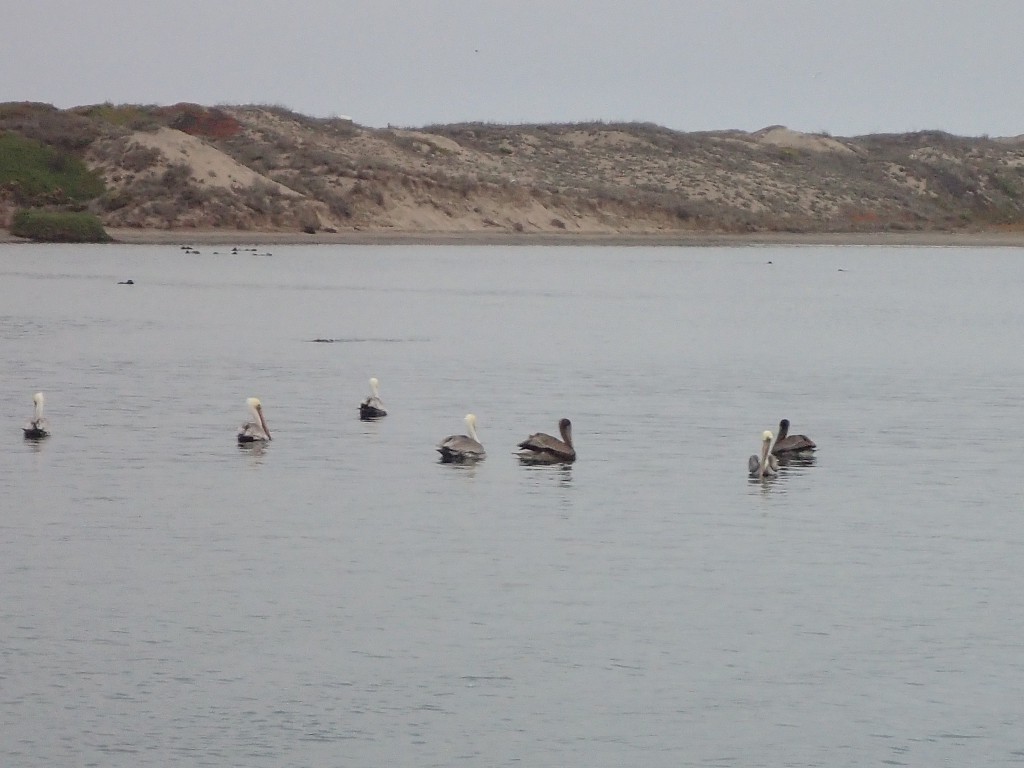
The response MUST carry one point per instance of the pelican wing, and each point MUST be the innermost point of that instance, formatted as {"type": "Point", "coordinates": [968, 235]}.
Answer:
{"type": "Point", "coordinates": [794, 443]}
{"type": "Point", "coordinates": [754, 464]}
{"type": "Point", "coordinates": [460, 448]}
{"type": "Point", "coordinates": [372, 408]}
{"type": "Point", "coordinates": [540, 443]}
{"type": "Point", "coordinates": [251, 432]}
{"type": "Point", "coordinates": [36, 429]}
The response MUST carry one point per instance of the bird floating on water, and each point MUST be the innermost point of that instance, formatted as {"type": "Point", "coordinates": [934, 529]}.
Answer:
{"type": "Point", "coordinates": [255, 430]}
{"type": "Point", "coordinates": [372, 407]}
{"type": "Point", "coordinates": [38, 428]}
{"type": "Point", "coordinates": [787, 444]}
{"type": "Point", "coordinates": [461, 449]}
{"type": "Point", "coordinates": [541, 448]}
{"type": "Point", "coordinates": [765, 465]}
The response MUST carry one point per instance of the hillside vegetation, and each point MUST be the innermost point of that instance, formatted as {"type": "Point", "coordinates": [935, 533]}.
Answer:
{"type": "Point", "coordinates": [265, 168]}
{"type": "Point", "coordinates": [33, 173]}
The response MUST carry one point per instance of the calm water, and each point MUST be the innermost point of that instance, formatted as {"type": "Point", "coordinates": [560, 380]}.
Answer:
{"type": "Point", "coordinates": [340, 598]}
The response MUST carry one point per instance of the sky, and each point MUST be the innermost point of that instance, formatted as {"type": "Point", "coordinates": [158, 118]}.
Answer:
{"type": "Point", "coordinates": [846, 67]}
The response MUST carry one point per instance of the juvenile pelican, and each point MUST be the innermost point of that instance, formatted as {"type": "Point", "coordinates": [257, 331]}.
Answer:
{"type": "Point", "coordinates": [787, 444]}
{"type": "Point", "coordinates": [255, 430]}
{"type": "Point", "coordinates": [372, 407]}
{"type": "Point", "coordinates": [460, 449]}
{"type": "Point", "coordinates": [764, 465]}
{"type": "Point", "coordinates": [38, 428]}
{"type": "Point", "coordinates": [541, 448]}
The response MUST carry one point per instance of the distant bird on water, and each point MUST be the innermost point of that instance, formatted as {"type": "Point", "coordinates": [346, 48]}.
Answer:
{"type": "Point", "coordinates": [372, 407]}
{"type": "Point", "coordinates": [38, 428]}
{"type": "Point", "coordinates": [541, 448]}
{"type": "Point", "coordinates": [787, 444]}
{"type": "Point", "coordinates": [765, 465]}
{"type": "Point", "coordinates": [255, 430]}
{"type": "Point", "coordinates": [461, 449]}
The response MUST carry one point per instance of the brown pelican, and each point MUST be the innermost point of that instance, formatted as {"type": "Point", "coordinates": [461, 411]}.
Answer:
{"type": "Point", "coordinates": [459, 449]}
{"type": "Point", "coordinates": [255, 430]}
{"type": "Point", "coordinates": [789, 444]}
{"type": "Point", "coordinates": [38, 428]}
{"type": "Point", "coordinates": [540, 448]}
{"type": "Point", "coordinates": [372, 407]}
{"type": "Point", "coordinates": [765, 465]}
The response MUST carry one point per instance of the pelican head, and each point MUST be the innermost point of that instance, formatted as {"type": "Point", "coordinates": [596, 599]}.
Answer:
{"type": "Point", "coordinates": [254, 403]}
{"type": "Point", "coordinates": [374, 385]}
{"type": "Point", "coordinates": [767, 436]}
{"type": "Point", "coordinates": [471, 426]}
{"type": "Point", "coordinates": [37, 402]}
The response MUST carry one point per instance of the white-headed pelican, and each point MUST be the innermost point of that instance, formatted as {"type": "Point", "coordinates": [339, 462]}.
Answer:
{"type": "Point", "coordinates": [764, 465]}
{"type": "Point", "coordinates": [459, 449]}
{"type": "Point", "coordinates": [255, 430]}
{"type": "Point", "coordinates": [38, 428]}
{"type": "Point", "coordinates": [372, 407]}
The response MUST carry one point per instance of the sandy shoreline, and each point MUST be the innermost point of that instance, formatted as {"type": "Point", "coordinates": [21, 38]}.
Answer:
{"type": "Point", "coordinates": [694, 239]}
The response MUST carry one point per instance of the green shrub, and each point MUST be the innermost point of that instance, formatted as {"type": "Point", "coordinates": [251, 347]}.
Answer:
{"type": "Point", "coordinates": [37, 174]}
{"type": "Point", "coordinates": [59, 227]}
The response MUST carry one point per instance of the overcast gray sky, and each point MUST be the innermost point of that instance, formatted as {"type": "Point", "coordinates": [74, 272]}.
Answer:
{"type": "Point", "coordinates": [848, 67]}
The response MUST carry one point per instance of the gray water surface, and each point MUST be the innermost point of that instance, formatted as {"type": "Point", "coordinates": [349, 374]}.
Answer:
{"type": "Point", "coordinates": [341, 598]}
